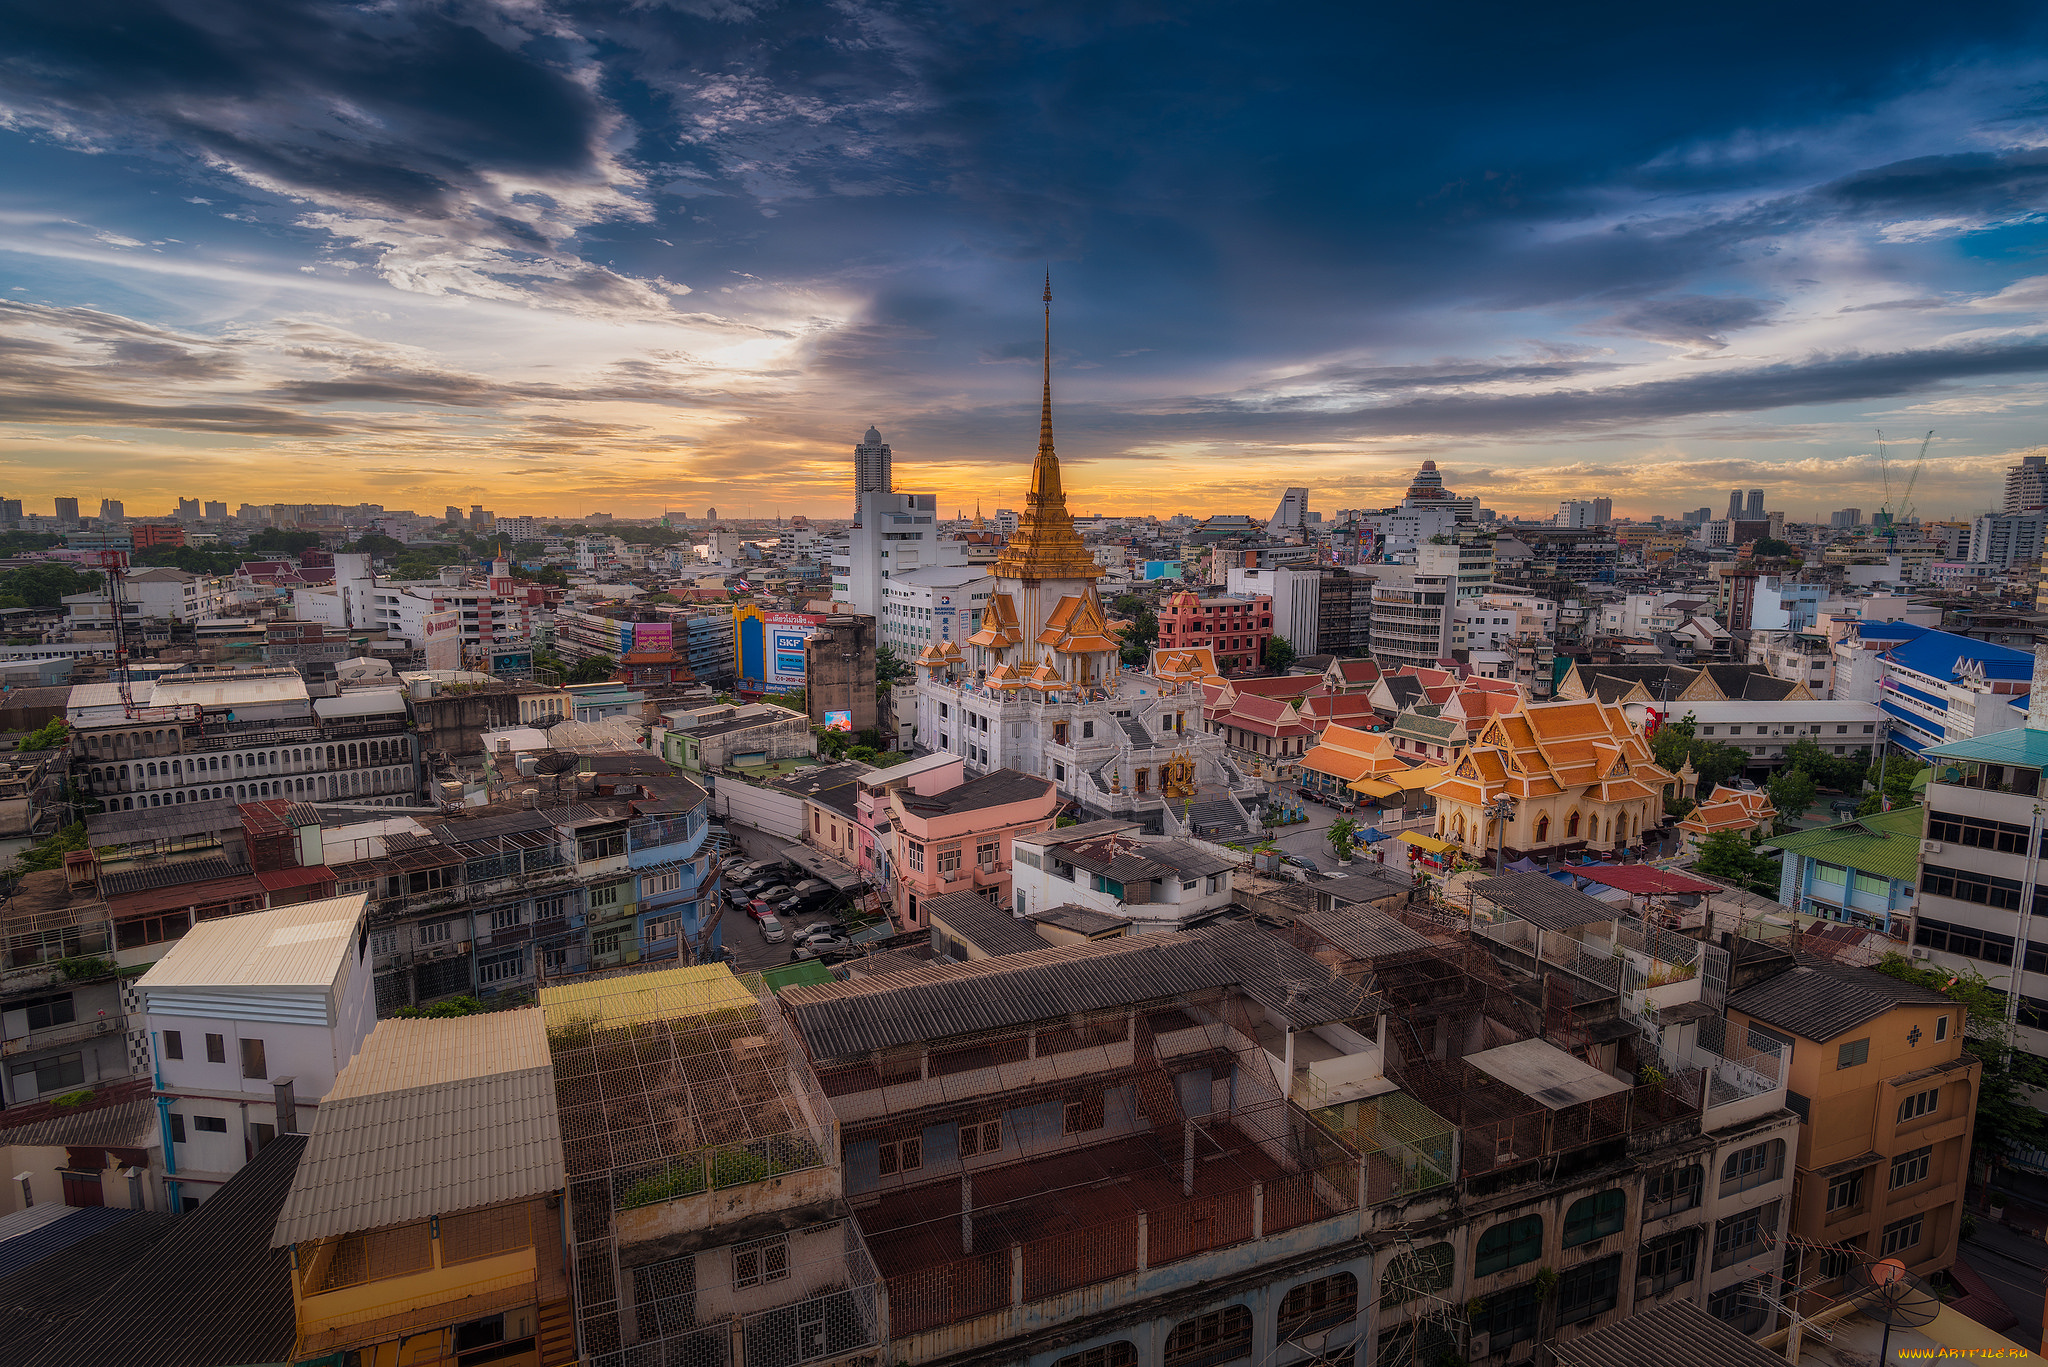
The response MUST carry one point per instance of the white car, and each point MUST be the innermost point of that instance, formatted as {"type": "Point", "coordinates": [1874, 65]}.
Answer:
{"type": "Point", "coordinates": [772, 930]}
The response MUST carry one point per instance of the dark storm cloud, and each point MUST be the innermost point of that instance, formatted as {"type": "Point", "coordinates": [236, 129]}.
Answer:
{"type": "Point", "coordinates": [1699, 320]}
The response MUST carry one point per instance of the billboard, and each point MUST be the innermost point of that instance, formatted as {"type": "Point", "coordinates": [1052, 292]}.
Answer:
{"type": "Point", "coordinates": [839, 721]}
{"type": "Point", "coordinates": [654, 636]}
{"type": "Point", "coordinates": [770, 647]}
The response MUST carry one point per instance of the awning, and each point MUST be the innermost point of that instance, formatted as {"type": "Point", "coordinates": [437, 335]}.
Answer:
{"type": "Point", "coordinates": [1372, 835]}
{"type": "Point", "coordinates": [1373, 787]}
{"type": "Point", "coordinates": [1418, 778]}
{"type": "Point", "coordinates": [1425, 842]}
{"type": "Point", "coordinates": [839, 874]}
{"type": "Point", "coordinates": [1643, 879]}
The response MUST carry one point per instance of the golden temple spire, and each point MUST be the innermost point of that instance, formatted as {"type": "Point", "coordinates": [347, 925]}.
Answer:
{"type": "Point", "coordinates": [1046, 545]}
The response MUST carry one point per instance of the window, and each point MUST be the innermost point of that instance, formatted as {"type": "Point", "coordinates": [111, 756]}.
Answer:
{"type": "Point", "coordinates": [1509, 1245]}
{"type": "Point", "coordinates": [1083, 1115]}
{"type": "Point", "coordinates": [210, 1124]}
{"type": "Point", "coordinates": [607, 943]}
{"type": "Point", "coordinates": [663, 928]}
{"type": "Point", "coordinates": [1118, 1354]}
{"type": "Point", "coordinates": [381, 941]}
{"type": "Point", "coordinates": [609, 895]}
{"type": "Point", "coordinates": [1420, 1273]}
{"type": "Point", "coordinates": [1595, 1217]}
{"type": "Point", "coordinates": [505, 918]}
{"type": "Point", "coordinates": [761, 1260]}
{"type": "Point", "coordinates": [1901, 1235]}
{"type": "Point", "coordinates": [1967, 885]}
{"type": "Point", "coordinates": [1920, 1103]}
{"type": "Point", "coordinates": [436, 932]}
{"type": "Point", "coordinates": [1320, 1304]}
{"type": "Point", "coordinates": [1753, 1166]}
{"type": "Point", "coordinates": [1669, 1261]}
{"type": "Point", "coordinates": [1940, 1029]}
{"type": "Point", "coordinates": [1742, 1236]}
{"type": "Point", "coordinates": [252, 1060]}
{"type": "Point", "coordinates": [915, 855]}
{"type": "Point", "coordinates": [1741, 1306]}
{"type": "Point", "coordinates": [1589, 1289]}
{"type": "Point", "coordinates": [550, 909]}
{"type": "Point", "coordinates": [1908, 1168]}
{"type": "Point", "coordinates": [1977, 833]}
{"type": "Point", "coordinates": [902, 1155]}
{"type": "Point", "coordinates": [1852, 1054]}
{"type": "Point", "coordinates": [985, 853]}
{"type": "Point", "coordinates": [1219, 1336]}
{"type": "Point", "coordinates": [1508, 1317]}
{"type": "Point", "coordinates": [1846, 1192]}
{"type": "Point", "coordinates": [981, 1136]}
{"type": "Point", "coordinates": [949, 860]}
{"type": "Point", "coordinates": [174, 1043]}
{"type": "Point", "coordinates": [216, 1049]}
{"type": "Point", "coordinates": [45, 1012]}
{"type": "Point", "coordinates": [262, 1134]}
{"type": "Point", "coordinates": [177, 1128]}
{"type": "Point", "coordinates": [57, 1074]}
{"type": "Point", "coordinates": [1968, 941]}
{"type": "Point", "coordinates": [504, 968]}
{"type": "Point", "coordinates": [1670, 1192]}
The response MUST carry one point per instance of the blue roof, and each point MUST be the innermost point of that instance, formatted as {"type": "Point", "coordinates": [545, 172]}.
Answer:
{"type": "Point", "coordinates": [2022, 745]}
{"type": "Point", "coordinates": [1889, 631]}
{"type": "Point", "coordinates": [1940, 654]}
{"type": "Point", "coordinates": [26, 1250]}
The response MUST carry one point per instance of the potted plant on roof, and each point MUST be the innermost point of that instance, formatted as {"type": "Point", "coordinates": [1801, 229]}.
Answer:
{"type": "Point", "coordinates": [1342, 835]}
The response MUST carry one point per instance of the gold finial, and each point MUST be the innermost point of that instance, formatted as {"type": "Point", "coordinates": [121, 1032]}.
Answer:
{"type": "Point", "coordinates": [1046, 546]}
{"type": "Point", "coordinates": [1045, 407]}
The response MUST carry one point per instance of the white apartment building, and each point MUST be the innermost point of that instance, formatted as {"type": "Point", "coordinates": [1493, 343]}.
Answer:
{"type": "Point", "coordinates": [1160, 883]}
{"type": "Point", "coordinates": [1296, 591]}
{"type": "Point", "coordinates": [1497, 619]}
{"type": "Point", "coordinates": [518, 529]}
{"type": "Point", "coordinates": [247, 1021]}
{"type": "Point", "coordinates": [1803, 657]}
{"type": "Point", "coordinates": [933, 606]}
{"type": "Point", "coordinates": [2007, 540]}
{"type": "Point", "coordinates": [1412, 608]}
{"type": "Point", "coordinates": [161, 594]}
{"type": "Point", "coordinates": [1765, 729]}
{"type": "Point", "coordinates": [1584, 512]}
{"type": "Point", "coordinates": [446, 612]}
{"type": "Point", "coordinates": [895, 533]}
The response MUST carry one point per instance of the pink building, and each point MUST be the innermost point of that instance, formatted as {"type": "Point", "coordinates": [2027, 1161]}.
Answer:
{"type": "Point", "coordinates": [959, 840]}
{"type": "Point", "coordinates": [924, 776]}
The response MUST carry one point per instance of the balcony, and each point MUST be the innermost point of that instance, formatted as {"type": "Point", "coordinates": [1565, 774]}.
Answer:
{"type": "Point", "coordinates": [77, 1032]}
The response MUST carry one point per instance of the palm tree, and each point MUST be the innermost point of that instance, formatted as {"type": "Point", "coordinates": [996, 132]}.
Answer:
{"type": "Point", "coordinates": [1342, 835]}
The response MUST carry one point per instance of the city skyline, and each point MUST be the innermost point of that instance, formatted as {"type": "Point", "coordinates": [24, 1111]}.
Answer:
{"type": "Point", "coordinates": [629, 260]}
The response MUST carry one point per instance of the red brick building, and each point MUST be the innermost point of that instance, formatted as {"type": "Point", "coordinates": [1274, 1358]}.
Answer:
{"type": "Point", "coordinates": [1235, 626]}
{"type": "Point", "coordinates": [143, 535]}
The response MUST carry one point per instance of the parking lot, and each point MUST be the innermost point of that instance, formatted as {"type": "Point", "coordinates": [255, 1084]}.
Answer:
{"type": "Point", "coordinates": [739, 932]}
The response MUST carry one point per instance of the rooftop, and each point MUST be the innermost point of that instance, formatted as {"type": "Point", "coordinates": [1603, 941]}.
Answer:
{"type": "Point", "coordinates": [1885, 843]}
{"type": "Point", "coordinates": [2022, 746]}
{"type": "Point", "coordinates": [1080, 920]}
{"type": "Point", "coordinates": [1545, 1073]}
{"type": "Point", "coordinates": [998, 789]}
{"type": "Point", "coordinates": [990, 929]}
{"type": "Point", "coordinates": [1539, 898]}
{"type": "Point", "coordinates": [430, 1118]}
{"type": "Point", "coordinates": [1677, 1335]}
{"type": "Point", "coordinates": [1820, 1000]}
{"type": "Point", "coordinates": [299, 946]}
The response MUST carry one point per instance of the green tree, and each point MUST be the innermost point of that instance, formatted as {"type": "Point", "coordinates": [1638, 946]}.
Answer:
{"type": "Point", "coordinates": [1792, 792]}
{"type": "Point", "coordinates": [192, 559]}
{"type": "Point", "coordinates": [1843, 773]}
{"type": "Point", "coordinates": [49, 853]}
{"type": "Point", "coordinates": [1898, 772]}
{"type": "Point", "coordinates": [1728, 856]}
{"type": "Point", "coordinates": [1342, 835]}
{"type": "Point", "coordinates": [52, 735]}
{"type": "Point", "coordinates": [794, 701]}
{"type": "Point", "coordinates": [277, 541]}
{"type": "Point", "coordinates": [529, 550]}
{"type": "Point", "coordinates": [18, 543]}
{"type": "Point", "coordinates": [455, 1006]}
{"type": "Point", "coordinates": [1676, 742]}
{"type": "Point", "coordinates": [1279, 654]}
{"type": "Point", "coordinates": [593, 669]}
{"type": "Point", "coordinates": [2006, 1119]}
{"type": "Point", "coordinates": [1770, 546]}
{"type": "Point", "coordinates": [376, 544]}
{"type": "Point", "coordinates": [44, 586]}
{"type": "Point", "coordinates": [550, 575]}
{"type": "Point", "coordinates": [889, 666]}
{"type": "Point", "coordinates": [1143, 634]}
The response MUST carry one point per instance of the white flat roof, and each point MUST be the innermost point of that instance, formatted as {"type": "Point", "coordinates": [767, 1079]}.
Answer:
{"type": "Point", "coordinates": [226, 690]}
{"type": "Point", "coordinates": [298, 946]}
{"type": "Point", "coordinates": [1545, 1073]}
{"type": "Point", "coordinates": [368, 702]}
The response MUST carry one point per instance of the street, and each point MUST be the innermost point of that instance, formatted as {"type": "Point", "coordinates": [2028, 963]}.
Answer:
{"type": "Point", "coordinates": [2014, 1263]}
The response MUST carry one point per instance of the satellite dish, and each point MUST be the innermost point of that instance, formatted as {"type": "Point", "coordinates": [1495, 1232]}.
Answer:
{"type": "Point", "coordinates": [1893, 1297]}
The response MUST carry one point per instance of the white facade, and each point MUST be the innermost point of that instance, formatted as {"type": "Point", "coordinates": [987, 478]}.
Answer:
{"type": "Point", "coordinates": [161, 594]}
{"type": "Point", "coordinates": [932, 606]}
{"type": "Point", "coordinates": [873, 471]}
{"type": "Point", "coordinates": [1413, 608]}
{"type": "Point", "coordinates": [244, 1011]}
{"type": "Point", "coordinates": [1296, 592]}
{"type": "Point", "coordinates": [1292, 514]}
{"type": "Point", "coordinates": [1496, 620]}
{"type": "Point", "coordinates": [418, 611]}
{"type": "Point", "coordinates": [1584, 512]}
{"type": "Point", "coordinates": [894, 533]}
{"type": "Point", "coordinates": [1765, 729]}
{"type": "Point", "coordinates": [1040, 880]}
{"type": "Point", "coordinates": [2007, 539]}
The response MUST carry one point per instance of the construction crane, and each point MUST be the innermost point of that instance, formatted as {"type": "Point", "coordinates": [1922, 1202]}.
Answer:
{"type": "Point", "coordinates": [114, 565]}
{"type": "Point", "coordinates": [1898, 510]}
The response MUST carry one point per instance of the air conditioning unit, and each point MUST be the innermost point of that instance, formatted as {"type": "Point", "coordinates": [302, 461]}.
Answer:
{"type": "Point", "coordinates": [1920, 951]}
{"type": "Point", "coordinates": [1930, 847]}
{"type": "Point", "coordinates": [1481, 1346]}
{"type": "Point", "coordinates": [1643, 1288]}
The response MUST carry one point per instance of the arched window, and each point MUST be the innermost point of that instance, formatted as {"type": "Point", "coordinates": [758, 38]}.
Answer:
{"type": "Point", "coordinates": [1753, 1166]}
{"type": "Point", "coordinates": [1220, 1336]}
{"type": "Point", "coordinates": [1119, 1354]}
{"type": "Point", "coordinates": [1420, 1273]}
{"type": "Point", "coordinates": [1321, 1304]}
{"type": "Point", "coordinates": [1571, 827]}
{"type": "Point", "coordinates": [1595, 1217]}
{"type": "Point", "coordinates": [1509, 1245]}
{"type": "Point", "coordinates": [1542, 829]}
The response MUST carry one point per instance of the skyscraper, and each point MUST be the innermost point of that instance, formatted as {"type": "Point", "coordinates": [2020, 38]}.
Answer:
{"type": "Point", "coordinates": [2026, 484]}
{"type": "Point", "coordinates": [1734, 504]}
{"type": "Point", "coordinates": [1292, 514]}
{"type": "Point", "coordinates": [113, 510]}
{"type": "Point", "coordinates": [871, 472]}
{"type": "Point", "coordinates": [1756, 504]}
{"type": "Point", "coordinates": [67, 511]}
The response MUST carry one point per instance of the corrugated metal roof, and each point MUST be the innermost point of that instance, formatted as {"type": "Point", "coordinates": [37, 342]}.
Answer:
{"type": "Point", "coordinates": [300, 946]}
{"type": "Point", "coordinates": [990, 929]}
{"type": "Point", "coordinates": [168, 875]}
{"type": "Point", "coordinates": [211, 1291]}
{"type": "Point", "coordinates": [1539, 898]}
{"type": "Point", "coordinates": [54, 1236]}
{"type": "Point", "coordinates": [1363, 932]}
{"type": "Point", "coordinates": [423, 1053]}
{"type": "Point", "coordinates": [36, 1302]}
{"type": "Point", "coordinates": [129, 1124]}
{"type": "Point", "coordinates": [1676, 1335]}
{"type": "Point", "coordinates": [2020, 745]}
{"type": "Point", "coordinates": [1820, 1001]}
{"type": "Point", "coordinates": [392, 1157]}
{"type": "Point", "coordinates": [1886, 844]}
{"type": "Point", "coordinates": [20, 1223]}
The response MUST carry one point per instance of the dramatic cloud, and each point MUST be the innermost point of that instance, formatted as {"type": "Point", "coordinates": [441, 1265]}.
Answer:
{"type": "Point", "coordinates": [574, 255]}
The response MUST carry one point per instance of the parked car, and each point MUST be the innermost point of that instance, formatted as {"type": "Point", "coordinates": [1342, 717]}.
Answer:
{"type": "Point", "coordinates": [773, 931]}
{"type": "Point", "coordinates": [824, 947]}
{"type": "Point", "coordinates": [1301, 862]}
{"type": "Point", "coordinates": [823, 930]}
{"type": "Point", "coordinates": [768, 898]}
{"type": "Point", "coordinates": [803, 903]}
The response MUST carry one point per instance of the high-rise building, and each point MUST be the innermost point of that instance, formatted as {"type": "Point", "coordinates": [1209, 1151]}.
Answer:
{"type": "Point", "coordinates": [10, 511]}
{"type": "Point", "coordinates": [1292, 514]}
{"type": "Point", "coordinates": [451, 513]}
{"type": "Point", "coordinates": [1699, 516]}
{"type": "Point", "coordinates": [113, 510]}
{"type": "Point", "coordinates": [216, 512]}
{"type": "Point", "coordinates": [2007, 540]}
{"type": "Point", "coordinates": [188, 510]}
{"type": "Point", "coordinates": [1734, 504]}
{"type": "Point", "coordinates": [1585, 512]}
{"type": "Point", "coordinates": [711, 514]}
{"type": "Point", "coordinates": [2026, 484]}
{"type": "Point", "coordinates": [480, 518]}
{"type": "Point", "coordinates": [1847, 519]}
{"type": "Point", "coordinates": [1756, 505]}
{"type": "Point", "coordinates": [67, 511]}
{"type": "Point", "coordinates": [871, 468]}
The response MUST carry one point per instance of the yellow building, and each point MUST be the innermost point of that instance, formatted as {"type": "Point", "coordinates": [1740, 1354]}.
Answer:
{"type": "Point", "coordinates": [425, 1221]}
{"type": "Point", "coordinates": [1887, 1099]}
{"type": "Point", "coordinates": [1579, 777]}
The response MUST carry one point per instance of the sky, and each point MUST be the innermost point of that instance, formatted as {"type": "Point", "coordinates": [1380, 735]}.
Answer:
{"type": "Point", "coordinates": [655, 255]}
